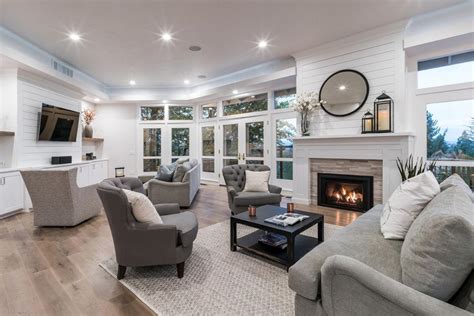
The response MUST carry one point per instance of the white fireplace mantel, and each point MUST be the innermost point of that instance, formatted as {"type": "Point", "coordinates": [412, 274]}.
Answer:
{"type": "Point", "coordinates": [385, 147]}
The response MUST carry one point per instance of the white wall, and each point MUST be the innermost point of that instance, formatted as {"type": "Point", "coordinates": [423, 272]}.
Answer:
{"type": "Point", "coordinates": [378, 54]}
{"type": "Point", "coordinates": [116, 123]}
{"type": "Point", "coordinates": [30, 151]}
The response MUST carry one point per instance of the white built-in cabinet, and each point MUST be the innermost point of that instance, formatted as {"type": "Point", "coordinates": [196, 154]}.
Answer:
{"type": "Point", "coordinates": [11, 192]}
{"type": "Point", "coordinates": [91, 173]}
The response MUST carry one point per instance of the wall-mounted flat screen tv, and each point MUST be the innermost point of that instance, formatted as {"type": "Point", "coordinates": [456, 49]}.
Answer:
{"type": "Point", "coordinates": [58, 124]}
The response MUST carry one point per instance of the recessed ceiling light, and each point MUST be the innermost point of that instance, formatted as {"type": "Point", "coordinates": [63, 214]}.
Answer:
{"type": "Point", "coordinates": [235, 91]}
{"type": "Point", "coordinates": [96, 100]}
{"type": "Point", "coordinates": [202, 76]}
{"type": "Point", "coordinates": [186, 81]}
{"type": "Point", "coordinates": [252, 96]}
{"type": "Point", "coordinates": [132, 82]}
{"type": "Point", "coordinates": [195, 48]}
{"type": "Point", "coordinates": [342, 87]}
{"type": "Point", "coordinates": [165, 101]}
{"type": "Point", "coordinates": [262, 44]}
{"type": "Point", "coordinates": [166, 37]}
{"type": "Point", "coordinates": [74, 37]}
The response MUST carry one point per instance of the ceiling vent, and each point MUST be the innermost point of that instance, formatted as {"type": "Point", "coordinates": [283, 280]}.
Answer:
{"type": "Point", "coordinates": [62, 68]}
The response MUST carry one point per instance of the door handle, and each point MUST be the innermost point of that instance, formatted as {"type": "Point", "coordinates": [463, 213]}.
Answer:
{"type": "Point", "coordinates": [243, 156]}
{"type": "Point", "coordinates": [238, 156]}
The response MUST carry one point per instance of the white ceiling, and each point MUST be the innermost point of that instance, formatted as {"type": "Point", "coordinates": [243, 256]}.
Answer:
{"type": "Point", "coordinates": [121, 38]}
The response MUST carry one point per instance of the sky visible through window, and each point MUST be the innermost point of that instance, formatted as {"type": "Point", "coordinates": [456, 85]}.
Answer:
{"type": "Point", "coordinates": [447, 75]}
{"type": "Point", "coordinates": [453, 117]}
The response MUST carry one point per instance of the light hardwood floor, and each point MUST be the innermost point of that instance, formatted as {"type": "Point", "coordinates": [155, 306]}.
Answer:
{"type": "Point", "coordinates": [55, 271]}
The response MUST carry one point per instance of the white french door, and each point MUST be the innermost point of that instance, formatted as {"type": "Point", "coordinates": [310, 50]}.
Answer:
{"type": "Point", "coordinates": [244, 141]}
{"type": "Point", "coordinates": [208, 151]}
{"type": "Point", "coordinates": [163, 144]}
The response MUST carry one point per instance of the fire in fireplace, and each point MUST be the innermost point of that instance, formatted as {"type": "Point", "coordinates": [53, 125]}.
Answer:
{"type": "Point", "coordinates": [345, 191]}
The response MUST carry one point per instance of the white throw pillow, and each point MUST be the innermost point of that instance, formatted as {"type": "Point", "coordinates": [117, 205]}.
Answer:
{"type": "Point", "coordinates": [256, 181]}
{"type": "Point", "coordinates": [408, 200]}
{"type": "Point", "coordinates": [142, 208]}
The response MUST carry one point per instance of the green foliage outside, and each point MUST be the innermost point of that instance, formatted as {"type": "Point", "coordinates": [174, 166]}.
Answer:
{"type": "Point", "coordinates": [255, 134]}
{"type": "Point", "coordinates": [438, 148]}
{"type": "Point", "coordinates": [209, 112]}
{"type": "Point", "coordinates": [284, 98]}
{"type": "Point", "coordinates": [152, 113]}
{"type": "Point", "coordinates": [180, 113]}
{"type": "Point", "coordinates": [180, 141]}
{"type": "Point", "coordinates": [246, 105]}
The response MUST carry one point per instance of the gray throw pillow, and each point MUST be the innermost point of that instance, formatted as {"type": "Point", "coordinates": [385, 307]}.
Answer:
{"type": "Point", "coordinates": [165, 172]}
{"type": "Point", "coordinates": [181, 170]}
{"type": "Point", "coordinates": [456, 180]}
{"type": "Point", "coordinates": [438, 254]}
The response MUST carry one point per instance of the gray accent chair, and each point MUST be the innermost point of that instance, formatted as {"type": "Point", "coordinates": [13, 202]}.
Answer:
{"type": "Point", "coordinates": [182, 192]}
{"type": "Point", "coordinates": [358, 272]}
{"type": "Point", "coordinates": [234, 177]}
{"type": "Point", "coordinates": [57, 200]}
{"type": "Point", "coordinates": [140, 244]}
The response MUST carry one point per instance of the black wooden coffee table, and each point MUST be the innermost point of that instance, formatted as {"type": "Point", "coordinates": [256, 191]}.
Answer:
{"type": "Point", "coordinates": [297, 245]}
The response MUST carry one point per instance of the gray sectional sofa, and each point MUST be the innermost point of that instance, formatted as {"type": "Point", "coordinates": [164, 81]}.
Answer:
{"type": "Point", "coordinates": [358, 272]}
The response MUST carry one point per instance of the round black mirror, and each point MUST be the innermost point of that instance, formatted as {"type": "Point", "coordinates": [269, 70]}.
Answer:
{"type": "Point", "coordinates": [344, 92]}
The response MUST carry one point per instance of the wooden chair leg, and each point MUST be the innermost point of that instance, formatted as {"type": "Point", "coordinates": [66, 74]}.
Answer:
{"type": "Point", "coordinates": [180, 268]}
{"type": "Point", "coordinates": [121, 272]}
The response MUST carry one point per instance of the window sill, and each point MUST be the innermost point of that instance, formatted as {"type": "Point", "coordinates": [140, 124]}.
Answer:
{"type": "Point", "coordinates": [440, 89]}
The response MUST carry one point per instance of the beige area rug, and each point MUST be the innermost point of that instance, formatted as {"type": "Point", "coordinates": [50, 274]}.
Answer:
{"type": "Point", "coordinates": [216, 281]}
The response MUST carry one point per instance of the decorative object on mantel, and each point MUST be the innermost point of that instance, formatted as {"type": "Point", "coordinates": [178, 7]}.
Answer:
{"type": "Point", "coordinates": [411, 168]}
{"type": "Point", "coordinates": [383, 112]}
{"type": "Point", "coordinates": [345, 92]}
{"type": "Point", "coordinates": [368, 123]}
{"type": "Point", "coordinates": [120, 172]}
{"type": "Point", "coordinates": [87, 118]}
{"type": "Point", "coordinates": [306, 103]}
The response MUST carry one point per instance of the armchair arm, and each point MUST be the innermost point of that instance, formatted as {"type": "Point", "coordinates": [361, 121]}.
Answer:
{"type": "Point", "coordinates": [167, 208]}
{"type": "Point", "coordinates": [274, 189]}
{"type": "Point", "coordinates": [349, 286]}
{"type": "Point", "coordinates": [231, 191]}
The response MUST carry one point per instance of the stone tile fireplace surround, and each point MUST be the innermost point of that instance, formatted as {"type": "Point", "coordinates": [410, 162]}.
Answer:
{"type": "Point", "coordinates": [348, 167]}
{"type": "Point", "coordinates": [368, 155]}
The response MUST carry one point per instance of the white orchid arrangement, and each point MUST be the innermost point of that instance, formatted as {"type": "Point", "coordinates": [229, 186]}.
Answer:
{"type": "Point", "coordinates": [307, 102]}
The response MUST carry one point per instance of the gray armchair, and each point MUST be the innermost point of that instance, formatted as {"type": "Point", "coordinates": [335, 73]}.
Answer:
{"type": "Point", "coordinates": [140, 244]}
{"type": "Point", "coordinates": [56, 198]}
{"type": "Point", "coordinates": [234, 177]}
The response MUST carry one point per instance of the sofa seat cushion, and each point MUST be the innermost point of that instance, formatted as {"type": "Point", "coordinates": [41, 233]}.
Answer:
{"type": "Point", "coordinates": [362, 240]}
{"type": "Point", "coordinates": [187, 225]}
{"type": "Point", "coordinates": [256, 198]}
{"type": "Point", "coordinates": [438, 253]}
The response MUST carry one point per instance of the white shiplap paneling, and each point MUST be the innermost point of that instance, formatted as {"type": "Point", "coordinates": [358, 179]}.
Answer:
{"type": "Point", "coordinates": [378, 54]}
{"type": "Point", "coordinates": [31, 151]}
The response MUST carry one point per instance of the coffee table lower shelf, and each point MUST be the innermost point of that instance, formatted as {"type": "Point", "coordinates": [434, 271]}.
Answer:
{"type": "Point", "coordinates": [302, 245]}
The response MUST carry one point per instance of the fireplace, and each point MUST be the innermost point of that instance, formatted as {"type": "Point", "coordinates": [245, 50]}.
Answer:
{"type": "Point", "coordinates": [345, 191]}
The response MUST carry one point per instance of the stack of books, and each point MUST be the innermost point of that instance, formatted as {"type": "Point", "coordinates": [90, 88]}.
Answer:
{"type": "Point", "coordinates": [273, 240]}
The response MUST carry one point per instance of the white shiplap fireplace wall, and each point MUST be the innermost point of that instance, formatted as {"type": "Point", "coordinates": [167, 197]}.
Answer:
{"type": "Point", "coordinates": [378, 54]}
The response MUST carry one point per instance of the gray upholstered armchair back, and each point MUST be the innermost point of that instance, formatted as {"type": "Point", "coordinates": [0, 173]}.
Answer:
{"type": "Point", "coordinates": [56, 198]}
{"type": "Point", "coordinates": [234, 175]}
{"type": "Point", "coordinates": [136, 244]}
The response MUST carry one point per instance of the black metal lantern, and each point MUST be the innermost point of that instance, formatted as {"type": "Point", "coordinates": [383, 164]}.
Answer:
{"type": "Point", "coordinates": [383, 112]}
{"type": "Point", "coordinates": [368, 123]}
{"type": "Point", "coordinates": [120, 172]}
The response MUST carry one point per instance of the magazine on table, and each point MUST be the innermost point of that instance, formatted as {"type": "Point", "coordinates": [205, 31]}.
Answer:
{"type": "Point", "coordinates": [287, 219]}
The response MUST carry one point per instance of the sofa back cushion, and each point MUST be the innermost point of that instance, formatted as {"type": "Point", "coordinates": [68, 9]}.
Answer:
{"type": "Point", "coordinates": [438, 254]}
{"type": "Point", "coordinates": [456, 180]}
